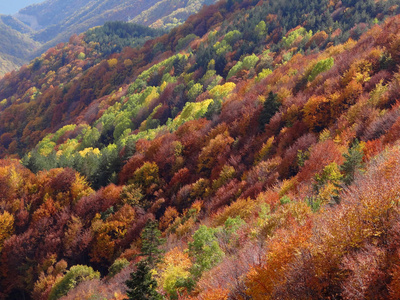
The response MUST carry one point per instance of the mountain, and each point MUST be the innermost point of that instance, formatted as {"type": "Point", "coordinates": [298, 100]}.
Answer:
{"type": "Point", "coordinates": [15, 43]}
{"type": "Point", "coordinates": [250, 153]}
{"type": "Point", "coordinates": [55, 20]}
{"type": "Point", "coordinates": [46, 24]}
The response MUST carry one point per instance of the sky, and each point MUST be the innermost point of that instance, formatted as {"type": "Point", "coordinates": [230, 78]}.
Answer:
{"type": "Point", "coordinates": [10, 7]}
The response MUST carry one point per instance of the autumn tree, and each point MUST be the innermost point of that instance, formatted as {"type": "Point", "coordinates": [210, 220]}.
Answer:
{"type": "Point", "coordinates": [175, 277]}
{"type": "Point", "coordinates": [6, 227]}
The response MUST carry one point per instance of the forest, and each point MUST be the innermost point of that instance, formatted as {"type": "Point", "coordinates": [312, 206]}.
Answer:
{"type": "Point", "coordinates": [250, 153]}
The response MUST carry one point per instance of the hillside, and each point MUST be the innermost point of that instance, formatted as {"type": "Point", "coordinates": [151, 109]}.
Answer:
{"type": "Point", "coordinates": [250, 153]}
{"type": "Point", "coordinates": [15, 44]}
{"type": "Point", "coordinates": [168, 14]}
{"type": "Point", "coordinates": [51, 22]}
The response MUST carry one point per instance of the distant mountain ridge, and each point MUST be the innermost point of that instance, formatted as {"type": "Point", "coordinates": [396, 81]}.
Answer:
{"type": "Point", "coordinates": [38, 27]}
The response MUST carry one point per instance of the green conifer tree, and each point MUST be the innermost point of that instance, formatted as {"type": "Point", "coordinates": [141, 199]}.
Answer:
{"type": "Point", "coordinates": [271, 106]}
{"type": "Point", "coordinates": [141, 285]}
{"type": "Point", "coordinates": [353, 162]}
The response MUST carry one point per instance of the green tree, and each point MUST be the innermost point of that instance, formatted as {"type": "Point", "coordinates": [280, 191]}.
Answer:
{"type": "Point", "coordinates": [71, 279]}
{"type": "Point", "coordinates": [151, 241]}
{"type": "Point", "coordinates": [270, 107]}
{"type": "Point", "coordinates": [235, 69]}
{"type": "Point", "coordinates": [109, 164]}
{"type": "Point", "coordinates": [321, 66]}
{"type": "Point", "coordinates": [250, 61]}
{"type": "Point", "coordinates": [232, 37]}
{"type": "Point", "coordinates": [353, 162]}
{"type": "Point", "coordinates": [117, 266]}
{"type": "Point", "coordinates": [261, 30]}
{"type": "Point", "coordinates": [195, 91]}
{"type": "Point", "coordinates": [141, 284]}
{"type": "Point", "coordinates": [205, 250]}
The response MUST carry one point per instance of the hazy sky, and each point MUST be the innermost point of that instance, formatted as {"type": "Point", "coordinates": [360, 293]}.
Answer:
{"type": "Point", "coordinates": [10, 7]}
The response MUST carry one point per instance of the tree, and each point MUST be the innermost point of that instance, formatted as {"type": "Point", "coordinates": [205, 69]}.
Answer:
{"type": "Point", "coordinates": [232, 37]}
{"type": "Point", "coordinates": [261, 30]}
{"type": "Point", "coordinates": [353, 162]}
{"type": "Point", "coordinates": [73, 277]}
{"type": "Point", "coordinates": [141, 284]}
{"type": "Point", "coordinates": [6, 227]}
{"type": "Point", "coordinates": [195, 91]}
{"type": "Point", "coordinates": [205, 250]}
{"type": "Point", "coordinates": [147, 175]}
{"type": "Point", "coordinates": [219, 145]}
{"type": "Point", "coordinates": [327, 185]}
{"type": "Point", "coordinates": [175, 276]}
{"type": "Point", "coordinates": [151, 241]}
{"type": "Point", "coordinates": [321, 66]}
{"type": "Point", "coordinates": [270, 107]}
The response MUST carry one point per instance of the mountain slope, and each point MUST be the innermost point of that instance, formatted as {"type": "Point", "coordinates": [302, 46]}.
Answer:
{"type": "Point", "coordinates": [78, 94]}
{"type": "Point", "coordinates": [60, 19]}
{"type": "Point", "coordinates": [15, 44]}
{"type": "Point", "coordinates": [46, 24]}
{"type": "Point", "coordinates": [261, 138]}
{"type": "Point", "coordinates": [169, 13]}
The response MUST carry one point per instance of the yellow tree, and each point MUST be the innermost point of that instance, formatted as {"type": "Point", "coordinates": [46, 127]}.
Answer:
{"type": "Point", "coordinates": [6, 227]}
{"type": "Point", "coordinates": [175, 271]}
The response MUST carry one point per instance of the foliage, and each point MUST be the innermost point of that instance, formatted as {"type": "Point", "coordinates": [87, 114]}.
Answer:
{"type": "Point", "coordinates": [248, 63]}
{"type": "Point", "coordinates": [195, 91]}
{"type": "Point", "coordinates": [191, 111]}
{"type": "Point", "coordinates": [353, 162]}
{"type": "Point", "coordinates": [205, 250]}
{"type": "Point", "coordinates": [146, 175]}
{"type": "Point", "coordinates": [141, 284]}
{"type": "Point", "coordinates": [72, 278]}
{"type": "Point", "coordinates": [117, 266]}
{"type": "Point", "coordinates": [220, 92]}
{"type": "Point", "coordinates": [270, 176]}
{"type": "Point", "coordinates": [151, 240]}
{"type": "Point", "coordinates": [328, 183]}
{"type": "Point", "coordinates": [294, 36]}
{"type": "Point", "coordinates": [320, 66]}
{"type": "Point", "coordinates": [112, 37]}
{"type": "Point", "coordinates": [184, 42]}
{"type": "Point", "coordinates": [270, 107]}
{"type": "Point", "coordinates": [6, 227]}
{"type": "Point", "coordinates": [176, 272]}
